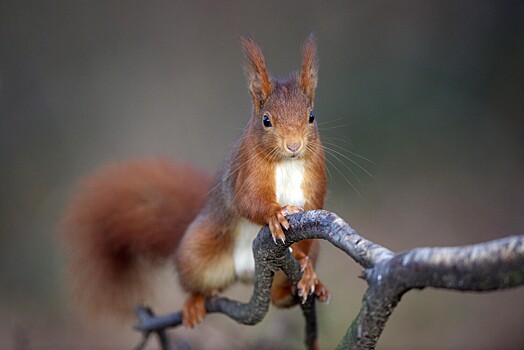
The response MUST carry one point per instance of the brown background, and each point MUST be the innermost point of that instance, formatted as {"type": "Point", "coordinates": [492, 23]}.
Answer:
{"type": "Point", "coordinates": [431, 92]}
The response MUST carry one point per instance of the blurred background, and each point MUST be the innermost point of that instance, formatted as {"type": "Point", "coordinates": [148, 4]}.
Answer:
{"type": "Point", "coordinates": [431, 92]}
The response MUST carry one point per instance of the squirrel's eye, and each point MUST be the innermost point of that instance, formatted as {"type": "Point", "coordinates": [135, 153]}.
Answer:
{"type": "Point", "coordinates": [266, 121]}
{"type": "Point", "coordinates": [311, 117]}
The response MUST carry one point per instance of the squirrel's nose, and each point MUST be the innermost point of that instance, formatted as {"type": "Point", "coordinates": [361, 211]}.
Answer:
{"type": "Point", "coordinates": [294, 145]}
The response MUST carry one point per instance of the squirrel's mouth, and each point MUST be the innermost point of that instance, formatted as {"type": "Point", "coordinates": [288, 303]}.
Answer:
{"type": "Point", "coordinates": [290, 156]}
{"type": "Point", "coordinates": [295, 155]}
{"type": "Point", "coordinates": [286, 153]}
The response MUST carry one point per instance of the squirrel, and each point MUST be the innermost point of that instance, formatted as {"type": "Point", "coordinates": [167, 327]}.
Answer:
{"type": "Point", "coordinates": [129, 216]}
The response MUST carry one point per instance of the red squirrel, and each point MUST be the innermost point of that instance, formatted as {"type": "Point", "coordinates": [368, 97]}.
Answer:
{"type": "Point", "coordinates": [131, 215]}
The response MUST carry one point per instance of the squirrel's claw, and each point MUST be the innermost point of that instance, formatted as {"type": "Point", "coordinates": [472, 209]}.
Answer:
{"type": "Point", "coordinates": [309, 283]}
{"type": "Point", "coordinates": [279, 221]}
{"type": "Point", "coordinates": [275, 226]}
{"type": "Point", "coordinates": [322, 293]}
{"type": "Point", "coordinates": [309, 279]}
{"type": "Point", "coordinates": [291, 209]}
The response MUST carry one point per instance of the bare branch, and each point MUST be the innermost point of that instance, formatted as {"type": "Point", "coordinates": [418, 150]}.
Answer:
{"type": "Point", "coordinates": [493, 265]}
{"type": "Point", "coordinates": [486, 266]}
{"type": "Point", "coordinates": [269, 257]}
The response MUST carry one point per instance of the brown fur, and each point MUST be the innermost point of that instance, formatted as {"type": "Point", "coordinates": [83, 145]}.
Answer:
{"type": "Point", "coordinates": [123, 212]}
{"type": "Point", "coordinates": [309, 73]}
{"type": "Point", "coordinates": [246, 185]}
{"type": "Point", "coordinates": [134, 212]}
{"type": "Point", "coordinates": [258, 78]}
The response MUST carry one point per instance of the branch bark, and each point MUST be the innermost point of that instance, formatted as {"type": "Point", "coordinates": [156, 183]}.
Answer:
{"type": "Point", "coordinates": [492, 265]}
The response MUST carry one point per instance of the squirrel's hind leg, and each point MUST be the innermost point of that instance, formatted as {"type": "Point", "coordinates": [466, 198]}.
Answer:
{"type": "Point", "coordinates": [194, 310]}
{"type": "Point", "coordinates": [205, 266]}
{"type": "Point", "coordinates": [282, 291]}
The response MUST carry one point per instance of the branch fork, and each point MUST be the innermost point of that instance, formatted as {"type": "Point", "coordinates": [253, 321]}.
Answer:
{"type": "Point", "coordinates": [488, 266]}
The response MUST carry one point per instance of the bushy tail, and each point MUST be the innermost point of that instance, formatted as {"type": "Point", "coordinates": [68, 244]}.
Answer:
{"type": "Point", "coordinates": [122, 219]}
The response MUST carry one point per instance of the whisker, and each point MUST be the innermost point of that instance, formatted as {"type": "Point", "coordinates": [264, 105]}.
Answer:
{"type": "Point", "coordinates": [345, 165]}
{"type": "Point", "coordinates": [230, 144]}
{"type": "Point", "coordinates": [316, 152]}
{"type": "Point", "coordinates": [351, 160]}
{"type": "Point", "coordinates": [329, 121]}
{"type": "Point", "coordinates": [331, 152]}
{"type": "Point", "coordinates": [353, 153]}
{"type": "Point", "coordinates": [269, 154]}
{"type": "Point", "coordinates": [335, 127]}
{"type": "Point", "coordinates": [346, 141]}
{"type": "Point", "coordinates": [236, 170]}
{"type": "Point", "coordinates": [344, 176]}
{"type": "Point", "coordinates": [272, 155]}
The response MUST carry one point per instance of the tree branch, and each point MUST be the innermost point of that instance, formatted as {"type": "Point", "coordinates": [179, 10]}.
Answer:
{"type": "Point", "coordinates": [493, 265]}
{"type": "Point", "coordinates": [486, 266]}
{"type": "Point", "coordinates": [269, 257]}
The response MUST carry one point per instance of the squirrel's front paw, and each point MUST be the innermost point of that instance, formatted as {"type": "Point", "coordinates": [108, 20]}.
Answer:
{"type": "Point", "coordinates": [279, 221]}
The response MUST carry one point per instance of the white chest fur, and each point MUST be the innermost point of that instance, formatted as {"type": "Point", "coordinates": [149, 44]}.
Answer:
{"type": "Point", "coordinates": [289, 176]}
{"type": "Point", "coordinates": [246, 231]}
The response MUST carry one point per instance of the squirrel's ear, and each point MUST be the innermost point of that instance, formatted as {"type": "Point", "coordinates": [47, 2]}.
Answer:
{"type": "Point", "coordinates": [260, 85]}
{"type": "Point", "coordinates": [309, 72]}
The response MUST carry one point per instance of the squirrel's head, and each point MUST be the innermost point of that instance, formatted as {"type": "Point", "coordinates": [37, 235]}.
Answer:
{"type": "Point", "coordinates": [283, 121]}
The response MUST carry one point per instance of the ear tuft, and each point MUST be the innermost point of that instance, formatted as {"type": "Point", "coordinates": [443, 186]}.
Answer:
{"type": "Point", "coordinates": [260, 85]}
{"type": "Point", "coordinates": [309, 72]}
